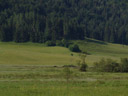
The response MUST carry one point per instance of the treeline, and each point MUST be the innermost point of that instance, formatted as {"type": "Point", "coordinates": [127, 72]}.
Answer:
{"type": "Point", "coordinates": [44, 20]}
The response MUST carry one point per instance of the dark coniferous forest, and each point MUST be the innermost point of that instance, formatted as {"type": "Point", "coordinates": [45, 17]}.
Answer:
{"type": "Point", "coordinates": [44, 20]}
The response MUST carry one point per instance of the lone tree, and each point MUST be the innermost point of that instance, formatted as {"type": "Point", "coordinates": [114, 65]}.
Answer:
{"type": "Point", "coordinates": [82, 62]}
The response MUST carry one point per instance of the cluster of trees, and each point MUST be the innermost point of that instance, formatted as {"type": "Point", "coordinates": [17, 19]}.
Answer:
{"type": "Point", "coordinates": [44, 20]}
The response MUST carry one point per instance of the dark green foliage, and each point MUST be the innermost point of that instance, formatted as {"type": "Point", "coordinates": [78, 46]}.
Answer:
{"type": "Point", "coordinates": [44, 20]}
{"type": "Point", "coordinates": [83, 67]}
{"type": "Point", "coordinates": [124, 65]}
{"type": "Point", "coordinates": [74, 48]}
{"type": "Point", "coordinates": [109, 65]}
{"type": "Point", "coordinates": [65, 43]}
{"type": "Point", "coordinates": [59, 43]}
{"type": "Point", "coordinates": [50, 43]}
{"type": "Point", "coordinates": [106, 65]}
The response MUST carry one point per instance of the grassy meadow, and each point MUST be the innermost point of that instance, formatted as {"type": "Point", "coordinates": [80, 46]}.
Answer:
{"type": "Point", "coordinates": [42, 81]}
{"type": "Point", "coordinates": [38, 54]}
{"type": "Point", "coordinates": [31, 69]}
{"type": "Point", "coordinates": [34, 54]}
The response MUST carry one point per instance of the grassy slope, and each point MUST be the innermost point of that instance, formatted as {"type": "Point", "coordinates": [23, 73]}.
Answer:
{"type": "Point", "coordinates": [38, 54]}
{"type": "Point", "coordinates": [34, 54]}
{"type": "Point", "coordinates": [99, 49]}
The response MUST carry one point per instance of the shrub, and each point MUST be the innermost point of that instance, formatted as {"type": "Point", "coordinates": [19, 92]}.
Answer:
{"type": "Point", "coordinates": [50, 43]}
{"type": "Point", "coordinates": [59, 43]}
{"type": "Point", "coordinates": [74, 48]}
{"type": "Point", "coordinates": [124, 65]}
{"type": "Point", "coordinates": [107, 65]}
{"type": "Point", "coordinates": [83, 67]}
{"type": "Point", "coordinates": [110, 65]}
{"type": "Point", "coordinates": [65, 43]}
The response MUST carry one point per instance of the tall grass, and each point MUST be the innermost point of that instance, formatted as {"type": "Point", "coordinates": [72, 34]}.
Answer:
{"type": "Point", "coordinates": [60, 88]}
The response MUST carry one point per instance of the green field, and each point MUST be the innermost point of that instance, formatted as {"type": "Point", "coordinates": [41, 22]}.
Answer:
{"type": "Point", "coordinates": [38, 54]}
{"type": "Point", "coordinates": [42, 81]}
{"type": "Point", "coordinates": [34, 54]}
{"type": "Point", "coordinates": [31, 69]}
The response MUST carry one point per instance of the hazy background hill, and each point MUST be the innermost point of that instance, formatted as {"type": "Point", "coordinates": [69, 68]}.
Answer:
{"type": "Point", "coordinates": [43, 20]}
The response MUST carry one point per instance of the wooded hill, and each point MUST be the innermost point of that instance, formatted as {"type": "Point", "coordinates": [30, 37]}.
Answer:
{"type": "Point", "coordinates": [43, 20]}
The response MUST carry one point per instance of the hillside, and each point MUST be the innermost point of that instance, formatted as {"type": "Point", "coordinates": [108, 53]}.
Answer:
{"type": "Point", "coordinates": [98, 49]}
{"type": "Point", "coordinates": [33, 69]}
{"type": "Point", "coordinates": [44, 20]}
{"type": "Point", "coordinates": [33, 54]}
{"type": "Point", "coordinates": [38, 54]}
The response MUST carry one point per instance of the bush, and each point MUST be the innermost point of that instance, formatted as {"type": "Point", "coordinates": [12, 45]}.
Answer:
{"type": "Point", "coordinates": [50, 43]}
{"type": "Point", "coordinates": [124, 65]}
{"type": "Point", "coordinates": [110, 65]}
{"type": "Point", "coordinates": [107, 65]}
{"type": "Point", "coordinates": [65, 43]}
{"type": "Point", "coordinates": [59, 43]}
{"type": "Point", "coordinates": [83, 67]}
{"type": "Point", "coordinates": [74, 48]}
